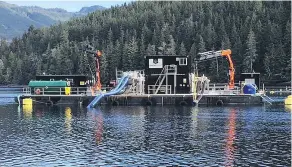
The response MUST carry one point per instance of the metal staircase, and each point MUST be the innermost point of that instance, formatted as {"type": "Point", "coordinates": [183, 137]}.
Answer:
{"type": "Point", "coordinates": [165, 72]}
{"type": "Point", "coordinates": [160, 80]}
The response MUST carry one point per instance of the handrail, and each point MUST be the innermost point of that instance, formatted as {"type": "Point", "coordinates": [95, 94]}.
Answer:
{"type": "Point", "coordinates": [161, 74]}
{"type": "Point", "coordinates": [55, 90]}
{"type": "Point", "coordinates": [154, 88]}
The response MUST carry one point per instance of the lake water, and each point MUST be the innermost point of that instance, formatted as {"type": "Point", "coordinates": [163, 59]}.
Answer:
{"type": "Point", "coordinates": [69, 135]}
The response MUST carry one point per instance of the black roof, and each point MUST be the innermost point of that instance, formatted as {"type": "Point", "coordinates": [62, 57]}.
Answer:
{"type": "Point", "coordinates": [79, 75]}
{"type": "Point", "coordinates": [165, 56]}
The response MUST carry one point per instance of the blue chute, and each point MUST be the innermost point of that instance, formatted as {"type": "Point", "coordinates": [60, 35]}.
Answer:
{"type": "Point", "coordinates": [122, 84]}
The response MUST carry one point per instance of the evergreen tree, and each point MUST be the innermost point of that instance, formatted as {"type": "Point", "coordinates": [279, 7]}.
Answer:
{"type": "Point", "coordinates": [150, 50]}
{"type": "Point", "coordinates": [193, 55]}
{"type": "Point", "coordinates": [269, 62]}
{"type": "Point", "coordinates": [81, 64]}
{"type": "Point", "coordinates": [132, 54]}
{"type": "Point", "coordinates": [202, 45]}
{"type": "Point", "coordinates": [118, 55]}
{"type": "Point", "coordinates": [17, 77]}
{"type": "Point", "coordinates": [162, 49]}
{"type": "Point", "coordinates": [126, 62]}
{"type": "Point", "coordinates": [127, 33]}
{"type": "Point", "coordinates": [142, 53]}
{"type": "Point", "coordinates": [7, 76]}
{"type": "Point", "coordinates": [104, 72]}
{"type": "Point", "coordinates": [251, 54]}
{"type": "Point", "coordinates": [171, 49]}
{"type": "Point", "coordinates": [182, 50]}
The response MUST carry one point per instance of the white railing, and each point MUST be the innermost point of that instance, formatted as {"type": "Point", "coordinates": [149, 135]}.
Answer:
{"type": "Point", "coordinates": [152, 89]}
{"type": "Point", "coordinates": [60, 90]}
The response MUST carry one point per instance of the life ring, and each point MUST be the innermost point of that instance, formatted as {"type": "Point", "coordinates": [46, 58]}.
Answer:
{"type": "Point", "coordinates": [149, 101]}
{"type": "Point", "coordinates": [37, 91]}
{"type": "Point", "coordinates": [183, 103]}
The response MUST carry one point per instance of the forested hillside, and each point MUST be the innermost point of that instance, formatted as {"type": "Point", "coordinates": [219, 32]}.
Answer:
{"type": "Point", "coordinates": [257, 32]}
{"type": "Point", "coordinates": [15, 20]}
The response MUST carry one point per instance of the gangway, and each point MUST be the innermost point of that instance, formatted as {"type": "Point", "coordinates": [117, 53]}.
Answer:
{"type": "Point", "coordinates": [199, 85]}
{"type": "Point", "coordinates": [267, 99]}
{"type": "Point", "coordinates": [117, 90]}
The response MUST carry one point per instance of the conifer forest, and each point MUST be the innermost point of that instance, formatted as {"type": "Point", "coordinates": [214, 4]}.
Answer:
{"type": "Point", "coordinates": [257, 32]}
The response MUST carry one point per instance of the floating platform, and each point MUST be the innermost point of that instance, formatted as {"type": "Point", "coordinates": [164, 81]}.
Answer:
{"type": "Point", "coordinates": [147, 99]}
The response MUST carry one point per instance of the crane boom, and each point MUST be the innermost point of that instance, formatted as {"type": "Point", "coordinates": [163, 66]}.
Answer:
{"type": "Point", "coordinates": [97, 54]}
{"type": "Point", "coordinates": [225, 53]}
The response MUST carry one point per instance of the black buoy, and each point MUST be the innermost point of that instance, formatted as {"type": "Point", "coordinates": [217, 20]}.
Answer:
{"type": "Point", "coordinates": [49, 103]}
{"type": "Point", "coordinates": [115, 103]}
{"type": "Point", "coordinates": [219, 103]}
{"type": "Point", "coordinates": [148, 103]}
{"type": "Point", "coordinates": [84, 102]}
{"type": "Point", "coordinates": [55, 100]}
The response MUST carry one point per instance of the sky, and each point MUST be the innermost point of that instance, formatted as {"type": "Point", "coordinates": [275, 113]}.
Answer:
{"type": "Point", "coordinates": [70, 6]}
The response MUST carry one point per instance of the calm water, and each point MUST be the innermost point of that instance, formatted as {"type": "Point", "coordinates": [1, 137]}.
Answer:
{"type": "Point", "coordinates": [140, 136]}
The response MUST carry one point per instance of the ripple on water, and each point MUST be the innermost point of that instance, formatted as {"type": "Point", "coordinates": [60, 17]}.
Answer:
{"type": "Point", "coordinates": [125, 136]}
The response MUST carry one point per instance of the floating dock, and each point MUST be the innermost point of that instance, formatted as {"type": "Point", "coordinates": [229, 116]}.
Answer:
{"type": "Point", "coordinates": [148, 99]}
{"type": "Point", "coordinates": [166, 80]}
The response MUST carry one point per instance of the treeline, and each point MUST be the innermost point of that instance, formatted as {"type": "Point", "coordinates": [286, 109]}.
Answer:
{"type": "Point", "coordinates": [258, 33]}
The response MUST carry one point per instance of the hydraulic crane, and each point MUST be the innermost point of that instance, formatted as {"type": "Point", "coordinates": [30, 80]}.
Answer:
{"type": "Point", "coordinates": [97, 55]}
{"type": "Point", "coordinates": [225, 53]}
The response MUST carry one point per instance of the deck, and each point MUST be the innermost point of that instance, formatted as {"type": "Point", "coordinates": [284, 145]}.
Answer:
{"type": "Point", "coordinates": [218, 96]}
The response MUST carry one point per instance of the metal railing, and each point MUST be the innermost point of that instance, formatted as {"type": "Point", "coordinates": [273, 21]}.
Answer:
{"type": "Point", "coordinates": [153, 88]}
{"type": "Point", "coordinates": [59, 90]}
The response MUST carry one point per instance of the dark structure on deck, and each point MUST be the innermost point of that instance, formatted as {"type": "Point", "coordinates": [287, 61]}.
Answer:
{"type": "Point", "coordinates": [75, 80]}
{"type": "Point", "coordinates": [167, 74]}
{"type": "Point", "coordinates": [251, 78]}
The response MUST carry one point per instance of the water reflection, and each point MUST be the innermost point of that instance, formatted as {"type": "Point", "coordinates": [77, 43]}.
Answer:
{"type": "Point", "coordinates": [97, 117]}
{"type": "Point", "coordinates": [229, 149]}
{"type": "Point", "coordinates": [143, 136]}
{"type": "Point", "coordinates": [195, 111]}
{"type": "Point", "coordinates": [288, 108]}
{"type": "Point", "coordinates": [68, 119]}
{"type": "Point", "coordinates": [27, 111]}
{"type": "Point", "coordinates": [39, 111]}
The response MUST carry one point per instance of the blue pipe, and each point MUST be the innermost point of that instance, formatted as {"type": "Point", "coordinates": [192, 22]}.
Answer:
{"type": "Point", "coordinates": [123, 82]}
{"type": "Point", "coordinates": [97, 97]}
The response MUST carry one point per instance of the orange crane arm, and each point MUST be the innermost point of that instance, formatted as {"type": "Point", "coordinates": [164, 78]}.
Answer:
{"type": "Point", "coordinates": [97, 56]}
{"type": "Point", "coordinates": [227, 54]}
{"type": "Point", "coordinates": [97, 60]}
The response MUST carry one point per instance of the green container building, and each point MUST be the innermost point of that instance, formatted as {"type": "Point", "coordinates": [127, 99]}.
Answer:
{"type": "Point", "coordinates": [49, 87]}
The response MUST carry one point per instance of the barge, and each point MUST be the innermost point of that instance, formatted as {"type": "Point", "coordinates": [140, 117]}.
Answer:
{"type": "Point", "coordinates": [166, 80]}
